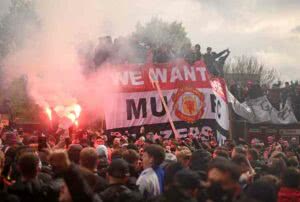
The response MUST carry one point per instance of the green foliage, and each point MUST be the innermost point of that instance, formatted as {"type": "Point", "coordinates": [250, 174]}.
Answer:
{"type": "Point", "coordinates": [157, 33]}
{"type": "Point", "coordinates": [21, 104]}
{"type": "Point", "coordinates": [15, 27]}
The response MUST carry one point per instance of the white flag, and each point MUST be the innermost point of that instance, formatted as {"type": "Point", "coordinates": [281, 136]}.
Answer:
{"type": "Point", "coordinates": [260, 110]}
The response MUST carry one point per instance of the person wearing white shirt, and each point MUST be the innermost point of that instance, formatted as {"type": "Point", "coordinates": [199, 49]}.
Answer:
{"type": "Point", "coordinates": [151, 180]}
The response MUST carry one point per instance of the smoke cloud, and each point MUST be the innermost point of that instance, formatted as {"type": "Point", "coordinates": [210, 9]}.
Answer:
{"type": "Point", "coordinates": [49, 58]}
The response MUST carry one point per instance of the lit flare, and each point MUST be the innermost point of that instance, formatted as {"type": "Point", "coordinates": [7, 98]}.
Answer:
{"type": "Point", "coordinates": [49, 113]}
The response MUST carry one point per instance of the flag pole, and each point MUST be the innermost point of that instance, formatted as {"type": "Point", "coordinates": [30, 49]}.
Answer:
{"type": "Point", "coordinates": [155, 82]}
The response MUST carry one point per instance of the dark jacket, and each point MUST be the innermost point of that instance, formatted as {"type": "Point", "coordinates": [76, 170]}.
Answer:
{"type": "Point", "coordinates": [198, 56]}
{"type": "Point", "coordinates": [120, 193]}
{"type": "Point", "coordinates": [96, 182]}
{"type": "Point", "coordinates": [78, 186]}
{"type": "Point", "coordinates": [33, 191]}
{"type": "Point", "coordinates": [5, 197]}
{"type": "Point", "coordinates": [173, 195]}
{"type": "Point", "coordinates": [211, 64]}
{"type": "Point", "coordinates": [221, 63]}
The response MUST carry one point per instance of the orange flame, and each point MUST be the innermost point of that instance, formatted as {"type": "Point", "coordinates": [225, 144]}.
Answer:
{"type": "Point", "coordinates": [71, 112]}
{"type": "Point", "coordinates": [71, 116]}
{"type": "Point", "coordinates": [49, 113]}
{"type": "Point", "coordinates": [77, 110]}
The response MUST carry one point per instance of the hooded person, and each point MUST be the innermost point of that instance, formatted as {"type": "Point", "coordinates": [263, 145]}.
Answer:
{"type": "Point", "coordinates": [102, 150]}
{"type": "Point", "coordinates": [102, 154]}
{"type": "Point", "coordinates": [107, 151]}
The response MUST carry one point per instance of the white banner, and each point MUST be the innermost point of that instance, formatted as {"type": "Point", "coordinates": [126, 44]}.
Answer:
{"type": "Point", "coordinates": [194, 99]}
{"type": "Point", "coordinates": [139, 108]}
{"type": "Point", "coordinates": [260, 110]}
{"type": "Point", "coordinates": [222, 112]}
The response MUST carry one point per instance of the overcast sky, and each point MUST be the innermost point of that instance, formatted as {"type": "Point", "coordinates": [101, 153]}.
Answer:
{"type": "Point", "coordinates": [268, 29]}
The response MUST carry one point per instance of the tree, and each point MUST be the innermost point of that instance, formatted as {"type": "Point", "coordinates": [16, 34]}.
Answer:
{"type": "Point", "coordinates": [245, 68]}
{"type": "Point", "coordinates": [22, 105]}
{"type": "Point", "coordinates": [17, 25]}
{"type": "Point", "coordinates": [162, 38]}
{"type": "Point", "coordinates": [157, 33]}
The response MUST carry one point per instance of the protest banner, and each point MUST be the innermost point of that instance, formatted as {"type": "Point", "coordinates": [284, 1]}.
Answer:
{"type": "Point", "coordinates": [196, 101]}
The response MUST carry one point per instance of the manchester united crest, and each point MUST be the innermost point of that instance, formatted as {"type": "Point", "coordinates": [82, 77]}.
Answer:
{"type": "Point", "coordinates": [189, 104]}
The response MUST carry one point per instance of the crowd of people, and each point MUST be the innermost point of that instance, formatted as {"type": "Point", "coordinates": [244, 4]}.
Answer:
{"type": "Point", "coordinates": [91, 166]}
{"type": "Point", "coordinates": [123, 50]}
{"type": "Point", "coordinates": [278, 94]}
